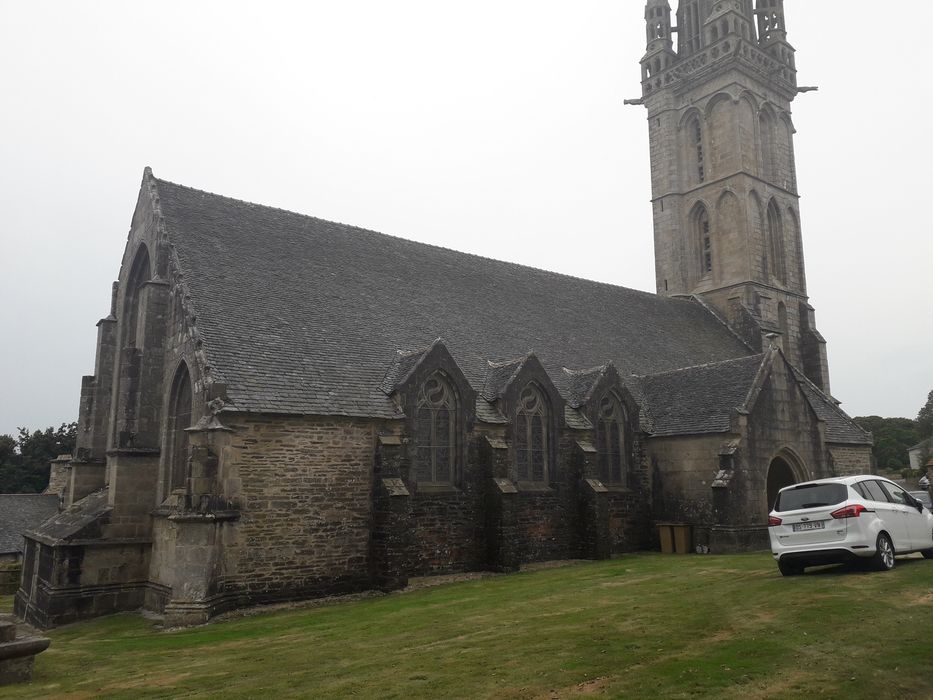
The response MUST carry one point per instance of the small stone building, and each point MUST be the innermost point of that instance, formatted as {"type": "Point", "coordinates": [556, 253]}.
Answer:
{"type": "Point", "coordinates": [285, 407]}
{"type": "Point", "coordinates": [20, 512]}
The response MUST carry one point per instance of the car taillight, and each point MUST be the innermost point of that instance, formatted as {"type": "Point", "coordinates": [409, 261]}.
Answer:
{"type": "Point", "coordinates": [852, 511]}
{"type": "Point", "coordinates": [773, 522]}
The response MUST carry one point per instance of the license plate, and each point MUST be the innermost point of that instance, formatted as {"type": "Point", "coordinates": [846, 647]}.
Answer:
{"type": "Point", "coordinates": [803, 527]}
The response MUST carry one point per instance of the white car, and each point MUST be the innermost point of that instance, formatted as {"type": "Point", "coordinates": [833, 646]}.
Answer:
{"type": "Point", "coordinates": [854, 518]}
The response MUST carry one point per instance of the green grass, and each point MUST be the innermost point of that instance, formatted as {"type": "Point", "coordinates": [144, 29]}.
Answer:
{"type": "Point", "coordinates": [641, 626]}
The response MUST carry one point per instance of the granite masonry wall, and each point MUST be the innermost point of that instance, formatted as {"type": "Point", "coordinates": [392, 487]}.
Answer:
{"type": "Point", "coordinates": [304, 488]}
{"type": "Point", "coordinates": [848, 460]}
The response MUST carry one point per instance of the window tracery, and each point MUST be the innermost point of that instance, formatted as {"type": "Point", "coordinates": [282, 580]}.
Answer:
{"type": "Point", "coordinates": [435, 432]}
{"type": "Point", "coordinates": [610, 440]}
{"type": "Point", "coordinates": [531, 436]}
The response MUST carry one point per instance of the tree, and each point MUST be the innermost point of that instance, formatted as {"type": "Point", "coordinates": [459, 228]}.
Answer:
{"type": "Point", "coordinates": [24, 461]}
{"type": "Point", "coordinates": [925, 419]}
{"type": "Point", "coordinates": [893, 437]}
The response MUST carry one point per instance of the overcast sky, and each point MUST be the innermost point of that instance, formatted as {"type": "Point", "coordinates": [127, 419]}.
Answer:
{"type": "Point", "coordinates": [492, 126]}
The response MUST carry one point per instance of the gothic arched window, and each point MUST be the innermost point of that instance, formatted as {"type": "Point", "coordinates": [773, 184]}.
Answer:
{"type": "Point", "coordinates": [139, 275]}
{"type": "Point", "coordinates": [704, 237]}
{"type": "Point", "coordinates": [766, 135]}
{"type": "Point", "coordinates": [696, 148]}
{"type": "Point", "coordinates": [531, 435]}
{"type": "Point", "coordinates": [776, 243]}
{"type": "Point", "coordinates": [610, 440]}
{"type": "Point", "coordinates": [436, 432]}
{"type": "Point", "coordinates": [179, 419]}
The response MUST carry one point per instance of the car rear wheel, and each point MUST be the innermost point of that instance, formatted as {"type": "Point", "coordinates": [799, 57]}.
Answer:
{"type": "Point", "coordinates": [788, 568]}
{"type": "Point", "coordinates": [884, 554]}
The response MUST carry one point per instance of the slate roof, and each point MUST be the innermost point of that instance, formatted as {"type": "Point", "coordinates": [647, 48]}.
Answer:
{"type": "Point", "coordinates": [840, 428]}
{"type": "Point", "coordinates": [22, 512]}
{"type": "Point", "coordinates": [300, 315]}
{"type": "Point", "coordinates": [699, 400]}
{"type": "Point", "coordinates": [580, 384]}
{"type": "Point", "coordinates": [696, 400]}
{"type": "Point", "coordinates": [79, 520]}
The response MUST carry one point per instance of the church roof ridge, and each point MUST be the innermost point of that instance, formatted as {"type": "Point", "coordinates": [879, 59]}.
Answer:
{"type": "Point", "coordinates": [368, 231]}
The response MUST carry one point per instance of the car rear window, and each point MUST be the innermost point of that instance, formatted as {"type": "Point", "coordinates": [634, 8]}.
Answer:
{"type": "Point", "coordinates": [810, 496]}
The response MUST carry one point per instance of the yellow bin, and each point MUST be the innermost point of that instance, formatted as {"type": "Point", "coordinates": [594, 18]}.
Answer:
{"type": "Point", "coordinates": [676, 538]}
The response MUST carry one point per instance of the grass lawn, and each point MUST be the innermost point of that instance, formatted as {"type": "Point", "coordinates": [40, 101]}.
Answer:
{"type": "Point", "coordinates": [642, 626]}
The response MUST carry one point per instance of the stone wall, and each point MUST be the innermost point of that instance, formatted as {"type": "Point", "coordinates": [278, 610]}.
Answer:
{"type": "Point", "coordinates": [849, 460]}
{"type": "Point", "coordinates": [446, 531]}
{"type": "Point", "coordinates": [62, 584]}
{"type": "Point", "coordinates": [59, 476]}
{"type": "Point", "coordinates": [304, 487]}
{"type": "Point", "coordinates": [684, 469]}
{"type": "Point", "coordinates": [9, 576]}
{"type": "Point", "coordinates": [782, 424]}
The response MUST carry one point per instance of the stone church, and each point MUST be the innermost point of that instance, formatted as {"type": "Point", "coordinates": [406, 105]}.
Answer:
{"type": "Point", "coordinates": [284, 407]}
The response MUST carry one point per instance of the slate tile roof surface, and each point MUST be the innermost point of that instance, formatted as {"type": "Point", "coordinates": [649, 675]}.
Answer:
{"type": "Point", "coordinates": [840, 428]}
{"type": "Point", "coordinates": [81, 518]}
{"type": "Point", "coordinates": [497, 377]}
{"type": "Point", "coordinates": [300, 315]}
{"type": "Point", "coordinates": [580, 383]}
{"type": "Point", "coordinates": [22, 512]}
{"type": "Point", "coordinates": [696, 400]}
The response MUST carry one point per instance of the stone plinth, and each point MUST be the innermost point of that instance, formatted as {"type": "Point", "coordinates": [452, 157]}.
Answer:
{"type": "Point", "coordinates": [18, 654]}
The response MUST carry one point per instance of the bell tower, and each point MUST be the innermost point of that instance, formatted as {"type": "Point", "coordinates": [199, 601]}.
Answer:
{"type": "Point", "coordinates": [724, 186]}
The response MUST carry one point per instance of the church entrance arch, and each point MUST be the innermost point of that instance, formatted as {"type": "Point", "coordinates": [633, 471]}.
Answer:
{"type": "Point", "coordinates": [781, 473]}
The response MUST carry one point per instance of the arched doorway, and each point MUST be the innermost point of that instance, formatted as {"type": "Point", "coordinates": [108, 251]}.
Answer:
{"type": "Point", "coordinates": [780, 474]}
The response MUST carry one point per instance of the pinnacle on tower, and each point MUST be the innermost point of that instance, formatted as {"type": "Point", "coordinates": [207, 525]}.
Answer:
{"type": "Point", "coordinates": [658, 19]}
{"type": "Point", "coordinates": [728, 18]}
{"type": "Point", "coordinates": [770, 17]}
{"type": "Point", "coordinates": [660, 51]}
